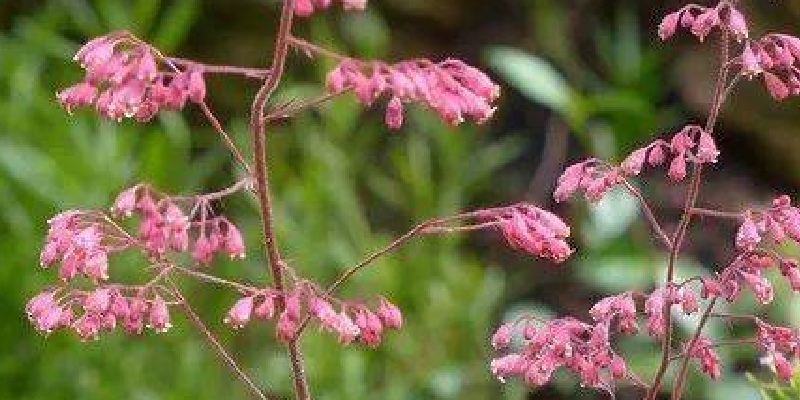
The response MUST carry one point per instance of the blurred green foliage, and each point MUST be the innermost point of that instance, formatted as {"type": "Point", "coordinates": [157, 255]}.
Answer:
{"type": "Point", "coordinates": [777, 390]}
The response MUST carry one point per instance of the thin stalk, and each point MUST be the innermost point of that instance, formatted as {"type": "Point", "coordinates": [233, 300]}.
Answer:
{"type": "Point", "coordinates": [254, 73]}
{"type": "Point", "coordinates": [680, 380]}
{"type": "Point", "coordinates": [683, 225]}
{"type": "Point", "coordinates": [226, 138]}
{"type": "Point", "coordinates": [394, 245]}
{"type": "Point", "coordinates": [649, 215]}
{"type": "Point", "coordinates": [716, 214]}
{"type": "Point", "coordinates": [258, 133]}
{"type": "Point", "coordinates": [214, 343]}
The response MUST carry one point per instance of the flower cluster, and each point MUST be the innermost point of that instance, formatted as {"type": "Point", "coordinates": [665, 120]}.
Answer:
{"type": "Point", "coordinates": [81, 242]}
{"type": "Point", "coordinates": [703, 350]}
{"type": "Point", "coordinates": [778, 222]}
{"type": "Point", "coordinates": [748, 269]}
{"type": "Point", "coordinates": [354, 320]}
{"type": "Point", "coordinates": [775, 58]}
{"type": "Point", "coordinates": [778, 342]}
{"type": "Point", "coordinates": [531, 229]}
{"type": "Point", "coordinates": [123, 80]}
{"type": "Point", "coordinates": [595, 177]}
{"type": "Point", "coordinates": [165, 227]}
{"type": "Point", "coordinates": [582, 348]}
{"type": "Point", "coordinates": [452, 88]}
{"type": "Point", "coordinates": [661, 298]}
{"type": "Point", "coordinates": [700, 20]}
{"type": "Point", "coordinates": [100, 310]}
{"type": "Point", "coordinates": [304, 8]}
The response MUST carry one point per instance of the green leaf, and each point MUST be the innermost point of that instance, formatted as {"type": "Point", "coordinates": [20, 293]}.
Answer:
{"type": "Point", "coordinates": [175, 24]}
{"type": "Point", "coordinates": [533, 76]}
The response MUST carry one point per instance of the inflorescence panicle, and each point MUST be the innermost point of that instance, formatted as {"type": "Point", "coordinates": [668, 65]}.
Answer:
{"type": "Point", "coordinates": [127, 78]}
{"type": "Point", "coordinates": [584, 348]}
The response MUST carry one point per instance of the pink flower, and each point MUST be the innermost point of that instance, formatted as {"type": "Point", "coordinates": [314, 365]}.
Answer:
{"type": "Point", "coordinates": [196, 86]}
{"type": "Point", "coordinates": [125, 71]}
{"type": "Point", "coordinates": [668, 25]}
{"type": "Point", "coordinates": [265, 309]}
{"type": "Point", "coordinates": [751, 64]}
{"type": "Point", "coordinates": [287, 327]}
{"type": "Point", "coordinates": [502, 336]}
{"type": "Point", "coordinates": [677, 168]}
{"type": "Point", "coordinates": [394, 113]}
{"type": "Point", "coordinates": [654, 308]}
{"type": "Point", "coordinates": [137, 310]}
{"type": "Point", "coordinates": [451, 88]}
{"type": "Point", "coordinates": [40, 303]}
{"type": "Point", "coordinates": [87, 326]}
{"type": "Point", "coordinates": [324, 312]}
{"type": "Point", "coordinates": [389, 314]}
{"type": "Point", "coordinates": [533, 230]}
{"type": "Point", "coordinates": [125, 202]}
{"type": "Point", "coordinates": [78, 95]}
{"type": "Point", "coordinates": [569, 181]}
{"type": "Point", "coordinates": [737, 23]}
{"type": "Point", "coordinates": [239, 315]}
{"type": "Point", "coordinates": [509, 365]}
{"type": "Point", "coordinates": [632, 165]}
{"type": "Point", "coordinates": [203, 250]}
{"type": "Point", "coordinates": [657, 156]}
{"type": "Point", "coordinates": [303, 8]}
{"type": "Point", "coordinates": [776, 87]}
{"type": "Point", "coordinates": [688, 301]}
{"type": "Point", "coordinates": [234, 243]}
{"type": "Point", "coordinates": [789, 269]}
{"type": "Point", "coordinates": [620, 306]}
{"type": "Point", "coordinates": [158, 319]}
{"type": "Point", "coordinates": [747, 237]}
{"type": "Point", "coordinates": [760, 286]}
{"type": "Point", "coordinates": [618, 367]}
{"type": "Point", "coordinates": [370, 326]}
{"type": "Point", "coordinates": [98, 301]}
{"type": "Point", "coordinates": [347, 329]}
{"type": "Point", "coordinates": [783, 368]}
{"type": "Point", "coordinates": [706, 148]}
{"type": "Point", "coordinates": [704, 22]}
{"type": "Point", "coordinates": [709, 360]}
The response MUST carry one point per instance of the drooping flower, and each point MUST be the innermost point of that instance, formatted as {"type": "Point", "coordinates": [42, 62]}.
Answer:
{"type": "Point", "coordinates": [455, 90]}
{"type": "Point", "coordinates": [123, 80]}
{"type": "Point", "coordinates": [239, 315]}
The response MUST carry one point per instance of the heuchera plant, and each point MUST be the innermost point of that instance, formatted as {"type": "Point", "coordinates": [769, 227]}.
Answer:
{"type": "Point", "coordinates": [539, 347]}
{"type": "Point", "coordinates": [181, 235]}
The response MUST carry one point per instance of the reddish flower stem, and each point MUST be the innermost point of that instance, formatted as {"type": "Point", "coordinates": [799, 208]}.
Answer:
{"type": "Point", "coordinates": [258, 133]}
{"type": "Point", "coordinates": [680, 379]}
{"type": "Point", "coordinates": [225, 136]}
{"type": "Point", "coordinates": [293, 108]}
{"type": "Point", "coordinates": [394, 245]}
{"type": "Point", "coordinates": [254, 73]}
{"type": "Point", "coordinates": [311, 48]}
{"type": "Point", "coordinates": [648, 213]}
{"type": "Point", "coordinates": [716, 214]}
{"type": "Point", "coordinates": [683, 225]}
